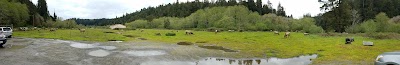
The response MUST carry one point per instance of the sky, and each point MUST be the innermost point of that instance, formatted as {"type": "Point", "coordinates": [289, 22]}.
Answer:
{"type": "Point", "coordinates": [94, 9]}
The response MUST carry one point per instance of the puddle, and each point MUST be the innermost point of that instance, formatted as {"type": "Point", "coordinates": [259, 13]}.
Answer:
{"type": "Point", "coordinates": [86, 46]}
{"type": "Point", "coordinates": [184, 43]}
{"type": "Point", "coordinates": [131, 36]}
{"type": "Point", "coordinates": [108, 47]}
{"type": "Point", "coordinates": [116, 41]}
{"type": "Point", "coordinates": [142, 38]}
{"type": "Point", "coordinates": [14, 47]}
{"type": "Point", "coordinates": [301, 60]}
{"type": "Point", "coordinates": [201, 41]}
{"type": "Point", "coordinates": [82, 45]}
{"type": "Point", "coordinates": [108, 32]}
{"type": "Point", "coordinates": [218, 48]}
{"type": "Point", "coordinates": [170, 63]}
{"type": "Point", "coordinates": [17, 46]}
{"type": "Point", "coordinates": [144, 53]}
{"type": "Point", "coordinates": [99, 53]}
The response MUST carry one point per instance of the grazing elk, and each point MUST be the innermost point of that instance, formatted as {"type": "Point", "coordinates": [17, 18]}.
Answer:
{"type": "Point", "coordinates": [52, 29]}
{"type": "Point", "coordinates": [287, 35]}
{"type": "Point", "coordinates": [276, 32]}
{"type": "Point", "coordinates": [188, 32]}
{"type": "Point", "coordinates": [23, 28]}
{"type": "Point", "coordinates": [306, 34]}
{"type": "Point", "coordinates": [82, 30]}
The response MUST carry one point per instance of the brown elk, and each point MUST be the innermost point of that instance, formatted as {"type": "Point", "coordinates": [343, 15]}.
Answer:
{"type": "Point", "coordinates": [82, 30]}
{"type": "Point", "coordinates": [276, 32]}
{"type": "Point", "coordinates": [216, 31]}
{"type": "Point", "coordinates": [188, 32]}
{"type": "Point", "coordinates": [287, 35]}
{"type": "Point", "coordinates": [52, 29]}
{"type": "Point", "coordinates": [306, 34]}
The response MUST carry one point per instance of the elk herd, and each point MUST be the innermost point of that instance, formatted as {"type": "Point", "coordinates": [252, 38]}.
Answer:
{"type": "Point", "coordinates": [287, 34]}
{"type": "Point", "coordinates": [187, 32]}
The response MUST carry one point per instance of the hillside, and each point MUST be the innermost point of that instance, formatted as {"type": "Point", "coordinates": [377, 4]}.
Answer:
{"type": "Point", "coordinates": [177, 10]}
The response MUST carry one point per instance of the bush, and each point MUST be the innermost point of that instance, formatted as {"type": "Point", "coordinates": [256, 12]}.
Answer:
{"type": "Point", "coordinates": [314, 29]}
{"type": "Point", "coordinates": [369, 26]}
{"type": "Point", "coordinates": [137, 24]}
{"type": "Point", "coordinates": [393, 28]}
{"type": "Point", "coordinates": [354, 29]}
{"type": "Point", "coordinates": [170, 34]}
{"type": "Point", "coordinates": [395, 20]}
{"type": "Point", "coordinates": [383, 35]}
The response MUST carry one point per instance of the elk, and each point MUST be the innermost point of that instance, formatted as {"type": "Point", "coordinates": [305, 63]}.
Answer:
{"type": "Point", "coordinates": [287, 34]}
{"type": "Point", "coordinates": [306, 34]}
{"type": "Point", "coordinates": [276, 32]}
{"type": "Point", "coordinates": [216, 31]}
{"type": "Point", "coordinates": [82, 30]}
{"type": "Point", "coordinates": [52, 29]}
{"type": "Point", "coordinates": [188, 32]}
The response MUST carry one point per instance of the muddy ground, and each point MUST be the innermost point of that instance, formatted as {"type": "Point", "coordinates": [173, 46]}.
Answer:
{"type": "Point", "coordinates": [28, 51]}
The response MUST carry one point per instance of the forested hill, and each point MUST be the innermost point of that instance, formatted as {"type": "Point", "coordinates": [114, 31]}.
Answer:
{"type": "Point", "coordinates": [182, 10]}
{"type": "Point", "coordinates": [24, 13]}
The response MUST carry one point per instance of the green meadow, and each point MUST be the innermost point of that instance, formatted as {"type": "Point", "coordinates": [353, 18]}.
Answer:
{"type": "Point", "coordinates": [330, 49]}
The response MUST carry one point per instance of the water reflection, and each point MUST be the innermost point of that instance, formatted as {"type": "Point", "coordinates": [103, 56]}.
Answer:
{"type": "Point", "coordinates": [301, 60]}
{"type": "Point", "coordinates": [145, 53]}
{"type": "Point", "coordinates": [99, 53]}
{"type": "Point", "coordinates": [218, 48]}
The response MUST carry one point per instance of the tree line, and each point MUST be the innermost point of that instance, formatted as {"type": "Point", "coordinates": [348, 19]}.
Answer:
{"type": "Point", "coordinates": [346, 14]}
{"type": "Point", "coordinates": [237, 17]}
{"type": "Point", "coordinates": [184, 9]}
{"type": "Point", "coordinates": [23, 13]}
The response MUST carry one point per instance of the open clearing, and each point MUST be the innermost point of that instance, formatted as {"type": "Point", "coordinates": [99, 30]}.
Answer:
{"type": "Point", "coordinates": [330, 50]}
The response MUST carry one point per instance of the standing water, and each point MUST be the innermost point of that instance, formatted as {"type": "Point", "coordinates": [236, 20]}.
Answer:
{"type": "Point", "coordinates": [301, 60]}
{"type": "Point", "coordinates": [99, 53]}
{"type": "Point", "coordinates": [145, 53]}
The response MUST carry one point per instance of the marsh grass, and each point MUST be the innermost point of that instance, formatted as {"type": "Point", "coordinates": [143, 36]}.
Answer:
{"type": "Point", "coordinates": [250, 44]}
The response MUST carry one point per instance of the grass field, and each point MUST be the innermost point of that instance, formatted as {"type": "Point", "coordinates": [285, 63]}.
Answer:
{"type": "Point", "coordinates": [251, 44]}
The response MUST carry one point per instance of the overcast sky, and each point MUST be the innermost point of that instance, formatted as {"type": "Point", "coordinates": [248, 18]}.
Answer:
{"type": "Point", "coordinates": [90, 9]}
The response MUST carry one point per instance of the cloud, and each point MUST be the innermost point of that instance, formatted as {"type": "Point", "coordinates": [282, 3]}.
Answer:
{"type": "Point", "coordinates": [91, 9]}
{"type": "Point", "coordinates": [298, 8]}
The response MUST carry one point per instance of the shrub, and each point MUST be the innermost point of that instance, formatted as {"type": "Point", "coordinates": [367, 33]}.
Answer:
{"type": "Point", "coordinates": [314, 29]}
{"type": "Point", "coordinates": [395, 19]}
{"type": "Point", "coordinates": [170, 34]}
{"type": "Point", "coordinates": [369, 26]}
{"type": "Point", "coordinates": [383, 35]}
{"type": "Point", "coordinates": [184, 43]}
{"type": "Point", "coordinates": [393, 28]}
{"type": "Point", "coordinates": [354, 29]}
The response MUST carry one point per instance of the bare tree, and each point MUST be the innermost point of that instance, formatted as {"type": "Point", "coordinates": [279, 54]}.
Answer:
{"type": "Point", "coordinates": [355, 17]}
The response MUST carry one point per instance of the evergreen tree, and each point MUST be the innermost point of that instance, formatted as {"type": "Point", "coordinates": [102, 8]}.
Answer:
{"type": "Point", "coordinates": [42, 9]}
{"type": "Point", "coordinates": [54, 17]}
{"type": "Point", "coordinates": [232, 2]}
{"type": "Point", "coordinates": [339, 15]}
{"type": "Point", "coordinates": [252, 5]}
{"type": "Point", "coordinates": [281, 11]}
{"type": "Point", "coordinates": [221, 2]}
{"type": "Point", "coordinates": [259, 7]}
